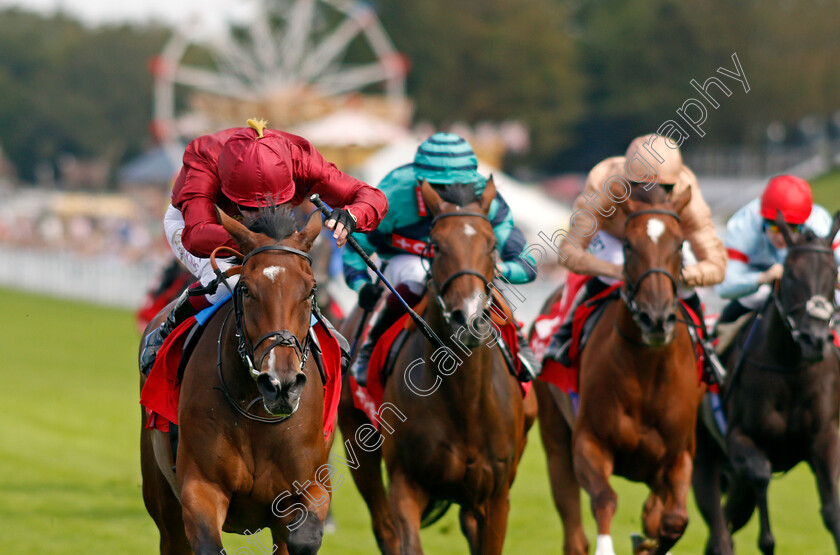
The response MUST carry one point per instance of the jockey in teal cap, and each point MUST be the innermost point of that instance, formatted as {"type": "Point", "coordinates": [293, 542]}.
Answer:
{"type": "Point", "coordinates": [443, 159]}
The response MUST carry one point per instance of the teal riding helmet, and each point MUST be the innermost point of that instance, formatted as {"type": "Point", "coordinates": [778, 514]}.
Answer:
{"type": "Point", "coordinates": [445, 159]}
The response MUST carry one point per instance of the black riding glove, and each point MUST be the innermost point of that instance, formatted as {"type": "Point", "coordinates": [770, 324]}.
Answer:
{"type": "Point", "coordinates": [343, 217]}
{"type": "Point", "coordinates": [369, 295]}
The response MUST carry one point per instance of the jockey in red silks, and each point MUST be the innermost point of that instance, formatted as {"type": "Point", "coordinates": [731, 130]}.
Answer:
{"type": "Point", "coordinates": [241, 170]}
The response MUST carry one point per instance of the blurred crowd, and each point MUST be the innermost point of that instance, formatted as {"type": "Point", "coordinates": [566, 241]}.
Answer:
{"type": "Point", "coordinates": [115, 227]}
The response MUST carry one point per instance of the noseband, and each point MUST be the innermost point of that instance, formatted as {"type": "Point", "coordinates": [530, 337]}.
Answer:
{"type": "Point", "coordinates": [441, 289]}
{"type": "Point", "coordinates": [631, 289]}
{"type": "Point", "coordinates": [817, 307]}
{"type": "Point", "coordinates": [245, 349]}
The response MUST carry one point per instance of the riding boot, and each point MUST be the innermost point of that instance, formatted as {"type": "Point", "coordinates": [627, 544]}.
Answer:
{"type": "Point", "coordinates": [390, 312]}
{"type": "Point", "coordinates": [712, 367]}
{"type": "Point", "coordinates": [561, 343]}
{"type": "Point", "coordinates": [182, 310]}
{"type": "Point", "coordinates": [530, 367]}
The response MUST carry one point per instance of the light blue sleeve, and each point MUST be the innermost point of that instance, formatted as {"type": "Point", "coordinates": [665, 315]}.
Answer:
{"type": "Point", "coordinates": [743, 234]}
{"type": "Point", "coordinates": [740, 280]}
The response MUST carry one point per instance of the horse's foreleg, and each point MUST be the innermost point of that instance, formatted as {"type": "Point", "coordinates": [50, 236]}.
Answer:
{"type": "Point", "coordinates": [674, 518]}
{"type": "Point", "coordinates": [469, 527]}
{"type": "Point", "coordinates": [825, 463]}
{"type": "Point", "coordinates": [408, 501]}
{"type": "Point", "coordinates": [749, 461]}
{"type": "Point", "coordinates": [306, 526]}
{"type": "Point", "coordinates": [593, 466]}
{"type": "Point", "coordinates": [706, 479]}
{"type": "Point", "coordinates": [557, 440]}
{"type": "Point", "coordinates": [205, 507]}
{"type": "Point", "coordinates": [493, 526]}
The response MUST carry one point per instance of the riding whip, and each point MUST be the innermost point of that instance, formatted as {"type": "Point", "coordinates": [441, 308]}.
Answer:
{"type": "Point", "coordinates": [421, 324]}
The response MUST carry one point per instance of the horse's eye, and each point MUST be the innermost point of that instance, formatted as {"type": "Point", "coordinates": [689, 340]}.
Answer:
{"type": "Point", "coordinates": [245, 291]}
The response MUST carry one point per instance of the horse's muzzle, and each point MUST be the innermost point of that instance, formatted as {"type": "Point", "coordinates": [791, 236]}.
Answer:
{"type": "Point", "coordinates": [657, 327]}
{"type": "Point", "coordinates": [812, 346]}
{"type": "Point", "coordinates": [281, 398]}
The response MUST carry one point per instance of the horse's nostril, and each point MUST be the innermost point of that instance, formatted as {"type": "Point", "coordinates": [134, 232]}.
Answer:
{"type": "Point", "coordinates": [267, 385]}
{"type": "Point", "coordinates": [645, 320]}
{"type": "Point", "coordinates": [671, 319]}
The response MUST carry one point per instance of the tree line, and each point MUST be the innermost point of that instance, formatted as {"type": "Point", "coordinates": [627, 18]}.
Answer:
{"type": "Point", "coordinates": [585, 75]}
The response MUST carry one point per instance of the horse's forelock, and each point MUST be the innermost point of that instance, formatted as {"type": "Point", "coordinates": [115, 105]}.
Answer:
{"type": "Point", "coordinates": [460, 194]}
{"type": "Point", "coordinates": [276, 221]}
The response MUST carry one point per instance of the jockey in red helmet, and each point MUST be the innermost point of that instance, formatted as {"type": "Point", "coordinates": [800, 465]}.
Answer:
{"type": "Point", "coordinates": [240, 170]}
{"type": "Point", "coordinates": [756, 246]}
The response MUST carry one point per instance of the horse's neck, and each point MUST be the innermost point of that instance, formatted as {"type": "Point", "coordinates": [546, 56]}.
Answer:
{"type": "Point", "coordinates": [472, 381]}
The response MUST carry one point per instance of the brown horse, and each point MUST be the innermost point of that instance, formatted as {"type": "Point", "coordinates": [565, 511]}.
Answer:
{"type": "Point", "coordinates": [781, 399]}
{"type": "Point", "coordinates": [457, 422]}
{"type": "Point", "coordinates": [639, 393]}
{"type": "Point", "coordinates": [241, 473]}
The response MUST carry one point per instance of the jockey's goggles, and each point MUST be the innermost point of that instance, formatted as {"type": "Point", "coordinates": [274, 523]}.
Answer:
{"type": "Point", "coordinates": [770, 225]}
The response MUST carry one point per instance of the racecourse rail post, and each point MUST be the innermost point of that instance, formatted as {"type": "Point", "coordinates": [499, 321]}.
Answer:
{"type": "Point", "coordinates": [421, 323]}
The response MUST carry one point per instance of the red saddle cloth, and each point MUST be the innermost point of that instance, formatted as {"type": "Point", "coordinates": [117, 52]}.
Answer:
{"type": "Point", "coordinates": [162, 389]}
{"type": "Point", "coordinates": [368, 398]}
{"type": "Point", "coordinates": [565, 377]}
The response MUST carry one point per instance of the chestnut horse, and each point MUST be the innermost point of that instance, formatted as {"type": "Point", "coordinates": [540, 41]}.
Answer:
{"type": "Point", "coordinates": [639, 392]}
{"type": "Point", "coordinates": [462, 426]}
{"type": "Point", "coordinates": [781, 399]}
{"type": "Point", "coordinates": [241, 473]}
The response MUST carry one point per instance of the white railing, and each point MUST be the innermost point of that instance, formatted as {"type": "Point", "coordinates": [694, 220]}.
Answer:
{"type": "Point", "coordinates": [68, 275]}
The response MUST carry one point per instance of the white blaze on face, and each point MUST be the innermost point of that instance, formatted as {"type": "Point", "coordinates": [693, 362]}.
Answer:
{"type": "Point", "coordinates": [272, 360]}
{"type": "Point", "coordinates": [272, 271]}
{"type": "Point", "coordinates": [655, 229]}
{"type": "Point", "coordinates": [469, 230]}
{"type": "Point", "coordinates": [473, 305]}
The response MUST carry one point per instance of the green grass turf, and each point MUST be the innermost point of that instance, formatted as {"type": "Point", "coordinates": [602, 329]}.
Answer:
{"type": "Point", "coordinates": [69, 460]}
{"type": "Point", "coordinates": [826, 190]}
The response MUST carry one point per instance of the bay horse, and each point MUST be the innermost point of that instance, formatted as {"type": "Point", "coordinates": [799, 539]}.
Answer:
{"type": "Point", "coordinates": [241, 473]}
{"type": "Point", "coordinates": [781, 400]}
{"type": "Point", "coordinates": [639, 392]}
{"type": "Point", "coordinates": [463, 422]}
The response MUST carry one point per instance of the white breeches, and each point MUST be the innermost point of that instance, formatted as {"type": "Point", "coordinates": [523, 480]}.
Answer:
{"type": "Point", "coordinates": [173, 227]}
{"type": "Point", "coordinates": [409, 269]}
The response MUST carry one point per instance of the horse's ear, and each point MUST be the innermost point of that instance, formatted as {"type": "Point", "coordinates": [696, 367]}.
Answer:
{"type": "Point", "coordinates": [835, 227]}
{"type": "Point", "coordinates": [628, 206]}
{"type": "Point", "coordinates": [488, 195]}
{"type": "Point", "coordinates": [243, 236]}
{"type": "Point", "coordinates": [680, 202]}
{"type": "Point", "coordinates": [430, 197]}
{"type": "Point", "coordinates": [310, 231]}
{"type": "Point", "coordinates": [783, 227]}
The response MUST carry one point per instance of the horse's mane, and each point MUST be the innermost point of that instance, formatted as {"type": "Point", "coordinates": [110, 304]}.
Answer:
{"type": "Point", "coordinates": [461, 194]}
{"type": "Point", "coordinates": [276, 221]}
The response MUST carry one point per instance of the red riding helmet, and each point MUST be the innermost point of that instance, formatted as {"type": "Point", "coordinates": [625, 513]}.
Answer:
{"type": "Point", "coordinates": [791, 195]}
{"type": "Point", "coordinates": [254, 163]}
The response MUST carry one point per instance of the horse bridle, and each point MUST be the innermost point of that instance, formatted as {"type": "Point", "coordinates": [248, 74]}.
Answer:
{"type": "Point", "coordinates": [246, 349]}
{"type": "Point", "coordinates": [441, 289]}
{"type": "Point", "coordinates": [817, 307]}
{"type": "Point", "coordinates": [631, 289]}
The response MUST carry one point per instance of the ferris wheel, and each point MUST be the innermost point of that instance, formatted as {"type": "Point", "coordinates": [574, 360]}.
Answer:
{"type": "Point", "coordinates": [286, 60]}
